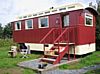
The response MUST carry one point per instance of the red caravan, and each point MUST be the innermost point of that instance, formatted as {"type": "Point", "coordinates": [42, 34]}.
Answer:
{"type": "Point", "coordinates": [72, 25]}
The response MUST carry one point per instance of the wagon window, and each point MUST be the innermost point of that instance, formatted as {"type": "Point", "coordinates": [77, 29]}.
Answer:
{"type": "Point", "coordinates": [88, 20]}
{"type": "Point", "coordinates": [18, 25]}
{"type": "Point", "coordinates": [29, 24]}
{"type": "Point", "coordinates": [43, 22]}
{"type": "Point", "coordinates": [66, 20]}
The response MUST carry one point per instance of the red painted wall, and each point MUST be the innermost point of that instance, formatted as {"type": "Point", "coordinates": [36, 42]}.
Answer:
{"type": "Point", "coordinates": [53, 21]}
{"type": "Point", "coordinates": [83, 34]}
{"type": "Point", "coordinates": [31, 36]}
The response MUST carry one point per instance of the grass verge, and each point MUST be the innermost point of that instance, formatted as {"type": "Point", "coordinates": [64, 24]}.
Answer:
{"type": "Point", "coordinates": [97, 71]}
{"type": "Point", "coordinates": [89, 60]}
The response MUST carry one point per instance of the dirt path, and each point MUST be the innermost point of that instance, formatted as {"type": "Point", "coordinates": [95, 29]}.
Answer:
{"type": "Point", "coordinates": [78, 71]}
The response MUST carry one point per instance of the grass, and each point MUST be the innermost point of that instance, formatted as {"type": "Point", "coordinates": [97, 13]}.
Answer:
{"type": "Point", "coordinates": [6, 42]}
{"type": "Point", "coordinates": [8, 65]}
{"type": "Point", "coordinates": [89, 60]}
{"type": "Point", "coordinates": [97, 71]}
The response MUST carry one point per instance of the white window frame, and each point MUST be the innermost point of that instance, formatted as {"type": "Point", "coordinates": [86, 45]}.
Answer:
{"type": "Point", "coordinates": [26, 25]}
{"type": "Point", "coordinates": [90, 17]}
{"type": "Point", "coordinates": [67, 19]}
{"type": "Point", "coordinates": [40, 22]}
{"type": "Point", "coordinates": [16, 25]}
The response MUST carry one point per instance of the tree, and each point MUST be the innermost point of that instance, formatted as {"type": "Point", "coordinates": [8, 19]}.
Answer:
{"type": "Point", "coordinates": [7, 32]}
{"type": "Point", "coordinates": [98, 28]}
{"type": "Point", "coordinates": [1, 30]}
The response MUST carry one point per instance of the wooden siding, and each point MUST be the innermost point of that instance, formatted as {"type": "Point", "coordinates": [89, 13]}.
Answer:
{"type": "Point", "coordinates": [83, 34]}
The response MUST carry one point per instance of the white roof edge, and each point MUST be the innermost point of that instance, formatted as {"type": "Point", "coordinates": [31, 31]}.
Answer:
{"type": "Point", "coordinates": [93, 9]}
{"type": "Point", "coordinates": [64, 8]}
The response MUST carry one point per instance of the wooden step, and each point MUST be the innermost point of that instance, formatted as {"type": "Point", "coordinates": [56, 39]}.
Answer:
{"type": "Point", "coordinates": [52, 56]}
{"type": "Point", "coordinates": [48, 60]}
{"type": "Point", "coordinates": [55, 47]}
{"type": "Point", "coordinates": [61, 49]}
{"type": "Point", "coordinates": [64, 43]}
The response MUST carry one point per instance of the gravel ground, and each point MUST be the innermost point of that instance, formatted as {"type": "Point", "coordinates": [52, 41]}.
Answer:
{"type": "Point", "coordinates": [79, 71]}
{"type": "Point", "coordinates": [33, 64]}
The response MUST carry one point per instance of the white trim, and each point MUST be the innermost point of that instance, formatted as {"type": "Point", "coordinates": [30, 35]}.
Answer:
{"type": "Point", "coordinates": [38, 47]}
{"type": "Point", "coordinates": [26, 25]}
{"type": "Point", "coordinates": [16, 25]}
{"type": "Point", "coordinates": [79, 49]}
{"type": "Point", "coordinates": [83, 49]}
{"type": "Point", "coordinates": [90, 17]}
{"type": "Point", "coordinates": [39, 22]}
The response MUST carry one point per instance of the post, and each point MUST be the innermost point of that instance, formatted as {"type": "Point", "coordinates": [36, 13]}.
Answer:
{"type": "Point", "coordinates": [59, 51]}
{"type": "Point", "coordinates": [74, 53]}
{"type": "Point", "coordinates": [68, 45]}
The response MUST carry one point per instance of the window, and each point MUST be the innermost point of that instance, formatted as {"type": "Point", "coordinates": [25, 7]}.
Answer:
{"type": "Point", "coordinates": [88, 20]}
{"type": "Point", "coordinates": [70, 7]}
{"type": "Point", "coordinates": [66, 20]}
{"type": "Point", "coordinates": [62, 9]}
{"type": "Point", "coordinates": [47, 12]}
{"type": "Point", "coordinates": [18, 25]}
{"type": "Point", "coordinates": [43, 22]}
{"type": "Point", "coordinates": [40, 13]}
{"type": "Point", "coordinates": [54, 10]}
{"type": "Point", "coordinates": [29, 24]}
{"type": "Point", "coordinates": [34, 14]}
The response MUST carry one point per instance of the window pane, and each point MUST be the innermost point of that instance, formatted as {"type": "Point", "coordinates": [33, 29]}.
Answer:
{"type": "Point", "coordinates": [43, 22]}
{"type": "Point", "coordinates": [66, 20]}
{"type": "Point", "coordinates": [88, 21]}
{"type": "Point", "coordinates": [29, 23]}
{"type": "Point", "coordinates": [18, 26]}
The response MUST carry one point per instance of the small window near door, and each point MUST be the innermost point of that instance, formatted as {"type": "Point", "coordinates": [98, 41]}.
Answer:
{"type": "Point", "coordinates": [88, 19]}
{"type": "Point", "coordinates": [18, 25]}
{"type": "Point", "coordinates": [29, 24]}
{"type": "Point", "coordinates": [43, 22]}
{"type": "Point", "coordinates": [66, 20]}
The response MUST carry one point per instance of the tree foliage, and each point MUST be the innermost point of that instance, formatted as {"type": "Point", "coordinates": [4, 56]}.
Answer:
{"type": "Point", "coordinates": [1, 30]}
{"type": "Point", "coordinates": [98, 29]}
{"type": "Point", "coordinates": [6, 32]}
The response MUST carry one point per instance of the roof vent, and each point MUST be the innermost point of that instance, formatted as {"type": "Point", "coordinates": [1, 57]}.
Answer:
{"type": "Point", "coordinates": [51, 7]}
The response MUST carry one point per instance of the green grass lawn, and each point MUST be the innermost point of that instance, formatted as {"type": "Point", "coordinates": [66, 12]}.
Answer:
{"type": "Point", "coordinates": [8, 65]}
{"type": "Point", "coordinates": [97, 71]}
{"type": "Point", "coordinates": [89, 60]}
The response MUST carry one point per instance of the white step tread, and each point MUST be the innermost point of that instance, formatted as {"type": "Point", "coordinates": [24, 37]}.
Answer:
{"type": "Point", "coordinates": [53, 55]}
{"type": "Point", "coordinates": [49, 59]}
{"type": "Point", "coordinates": [61, 49]}
{"type": "Point", "coordinates": [66, 43]}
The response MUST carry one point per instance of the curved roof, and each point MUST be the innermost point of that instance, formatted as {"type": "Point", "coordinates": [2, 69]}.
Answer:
{"type": "Point", "coordinates": [92, 10]}
{"type": "Point", "coordinates": [65, 8]}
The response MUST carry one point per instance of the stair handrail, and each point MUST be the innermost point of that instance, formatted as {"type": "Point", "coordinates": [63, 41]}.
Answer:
{"type": "Point", "coordinates": [61, 35]}
{"type": "Point", "coordinates": [47, 35]}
